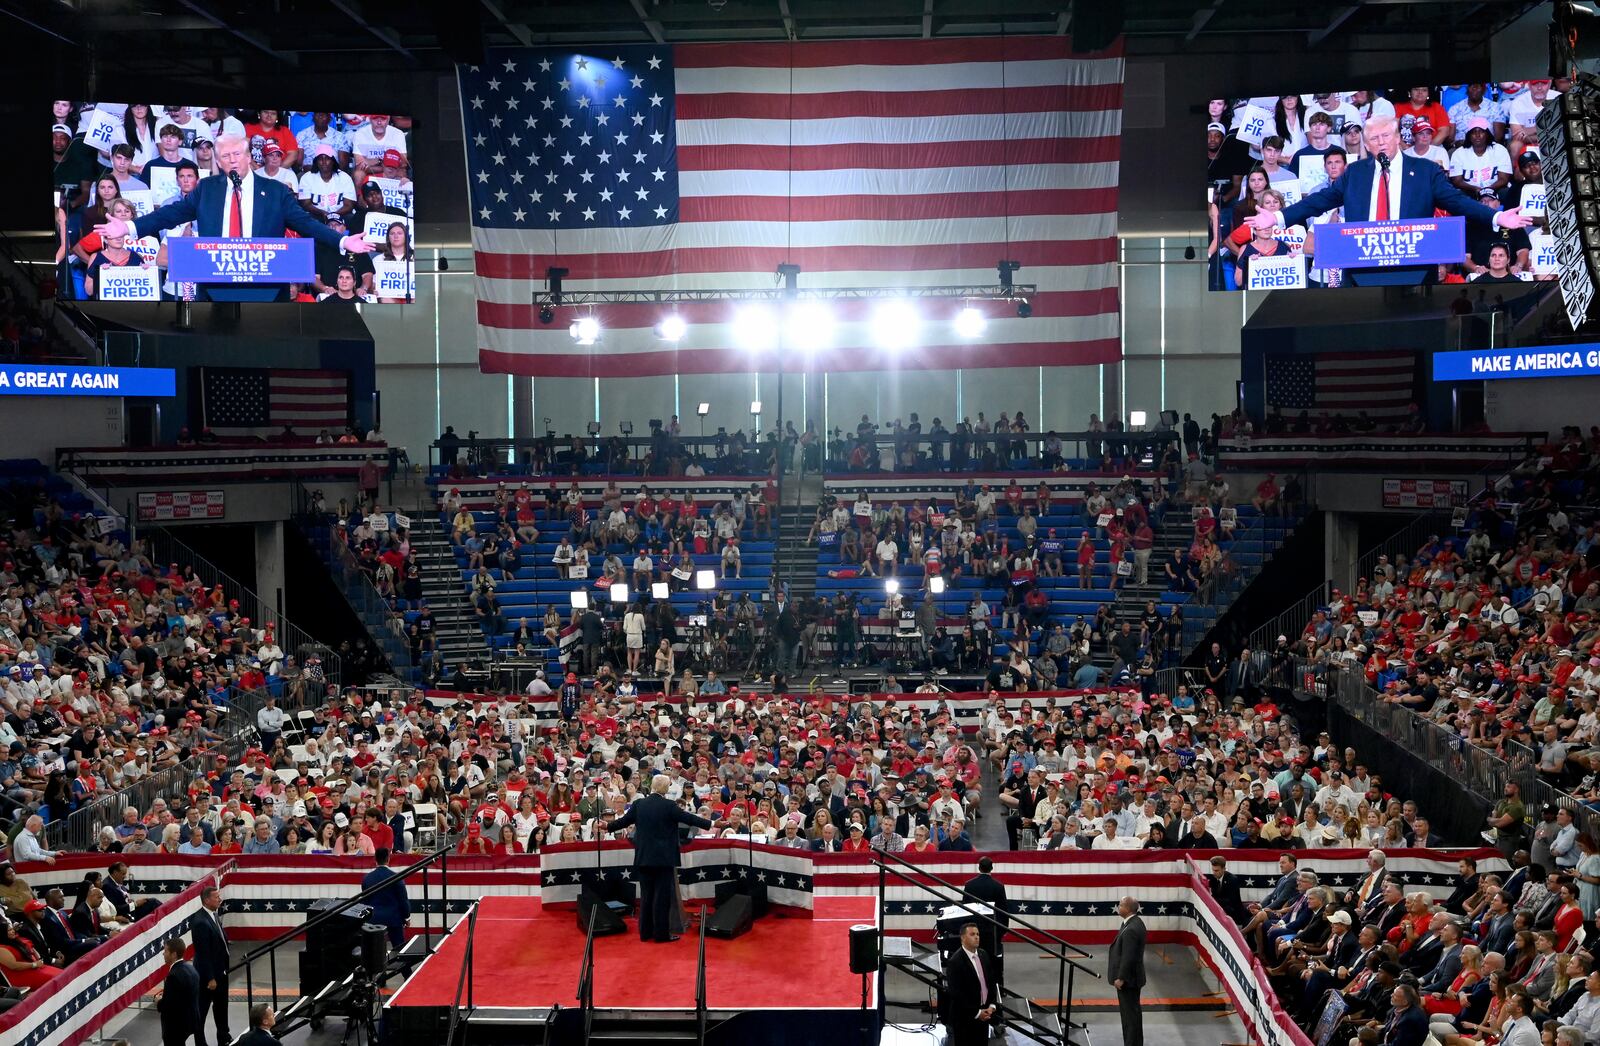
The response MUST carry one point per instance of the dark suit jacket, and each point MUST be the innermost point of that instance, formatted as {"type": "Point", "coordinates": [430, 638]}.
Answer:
{"type": "Point", "coordinates": [210, 948]}
{"type": "Point", "coordinates": [180, 1000]}
{"type": "Point", "coordinates": [86, 922]}
{"type": "Point", "coordinates": [118, 896]}
{"type": "Point", "coordinates": [1498, 933]}
{"type": "Point", "coordinates": [962, 1000]}
{"type": "Point", "coordinates": [1126, 960]}
{"type": "Point", "coordinates": [274, 210]}
{"type": "Point", "coordinates": [1407, 1028]}
{"type": "Point", "coordinates": [391, 906]}
{"type": "Point", "coordinates": [1226, 892]}
{"type": "Point", "coordinates": [60, 938]}
{"type": "Point", "coordinates": [36, 935]}
{"type": "Point", "coordinates": [1352, 894]}
{"type": "Point", "coordinates": [1423, 954]}
{"type": "Point", "coordinates": [258, 1037]}
{"type": "Point", "coordinates": [1439, 977]}
{"type": "Point", "coordinates": [655, 820]}
{"type": "Point", "coordinates": [1343, 952]}
{"type": "Point", "coordinates": [991, 891]}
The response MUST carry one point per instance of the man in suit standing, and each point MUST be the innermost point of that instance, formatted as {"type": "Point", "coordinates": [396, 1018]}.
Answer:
{"type": "Point", "coordinates": [1389, 184]}
{"type": "Point", "coordinates": [391, 907]}
{"type": "Point", "coordinates": [211, 964]}
{"type": "Point", "coordinates": [972, 991]}
{"type": "Point", "coordinates": [237, 203]}
{"type": "Point", "coordinates": [1125, 970]}
{"type": "Point", "coordinates": [656, 855]}
{"type": "Point", "coordinates": [180, 997]}
{"type": "Point", "coordinates": [1224, 886]}
{"type": "Point", "coordinates": [986, 889]}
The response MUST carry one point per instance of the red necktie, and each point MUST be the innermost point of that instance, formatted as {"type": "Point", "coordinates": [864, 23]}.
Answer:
{"type": "Point", "coordinates": [1382, 213]}
{"type": "Point", "coordinates": [61, 918]}
{"type": "Point", "coordinates": [236, 216]}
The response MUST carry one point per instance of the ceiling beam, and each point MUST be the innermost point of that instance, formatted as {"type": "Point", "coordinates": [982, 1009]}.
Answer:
{"type": "Point", "coordinates": [789, 29]}
{"type": "Point", "coordinates": [516, 29]}
{"type": "Point", "coordinates": [46, 30]}
{"type": "Point", "coordinates": [1201, 18]}
{"type": "Point", "coordinates": [1339, 18]}
{"type": "Point", "coordinates": [650, 24]}
{"type": "Point", "coordinates": [385, 35]}
{"type": "Point", "coordinates": [253, 39]}
{"type": "Point", "coordinates": [927, 19]}
{"type": "Point", "coordinates": [1064, 21]}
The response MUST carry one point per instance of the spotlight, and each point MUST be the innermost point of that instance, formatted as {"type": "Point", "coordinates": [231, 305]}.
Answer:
{"type": "Point", "coordinates": [1007, 269]}
{"type": "Point", "coordinates": [1137, 418]}
{"type": "Point", "coordinates": [936, 585]}
{"type": "Point", "coordinates": [585, 330]}
{"type": "Point", "coordinates": [547, 315]}
{"type": "Point", "coordinates": [580, 599]}
{"type": "Point", "coordinates": [895, 325]}
{"type": "Point", "coordinates": [1024, 310]}
{"type": "Point", "coordinates": [810, 326]}
{"type": "Point", "coordinates": [970, 323]}
{"type": "Point", "coordinates": [444, 264]}
{"type": "Point", "coordinates": [672, 328]}
{"type": "Point", "coordinates": [1188, 253]}
{"type": "Point", "coordinates": [555, 274]}
{"type": "Point", "coordinates": [660, 590]}
{"type": "Point", "coordinates": [618, 592]}
{"type": "Point", "coordinates": [755, 328]}
{"type": "Point", "coordinates": [705, 580]}
{"type": "Point", "coordinates": [891, 586]}
{"type": "Point", "coordinates": [755, 406]}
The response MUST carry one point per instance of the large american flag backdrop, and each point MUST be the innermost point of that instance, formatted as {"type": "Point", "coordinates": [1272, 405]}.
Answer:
{"type": "Point", "coordinates": [877, 163]}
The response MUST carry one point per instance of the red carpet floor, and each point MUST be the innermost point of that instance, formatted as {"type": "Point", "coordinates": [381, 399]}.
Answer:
{"type": "Point", "coordinates": [525, 957]}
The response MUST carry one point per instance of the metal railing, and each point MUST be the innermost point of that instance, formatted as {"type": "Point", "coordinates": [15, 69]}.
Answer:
{"type": "Point", "coordinates": [422, 867]}
{"type": "Point", "coordinates": [465, 978]}
{"type": "Point", "coordinates": [80, 830]}
{"type": "Point", "coordinates": [1403, 542]}
{"type": "Point", "coordinates": [700, 985]}
{"type": "Point", "coordinates": [1069, 964]}
{"type": "Point", "coordinates": [586, 976]}
{"type": "Point", "coordinates": [162, 546]}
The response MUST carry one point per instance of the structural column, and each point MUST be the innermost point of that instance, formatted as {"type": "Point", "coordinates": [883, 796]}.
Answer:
{"type": "Point", "coordinates": [270, 573]}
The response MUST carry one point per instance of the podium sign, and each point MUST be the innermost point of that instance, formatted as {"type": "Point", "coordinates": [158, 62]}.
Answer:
{"type": "Point", "coordinates": [212, 260]}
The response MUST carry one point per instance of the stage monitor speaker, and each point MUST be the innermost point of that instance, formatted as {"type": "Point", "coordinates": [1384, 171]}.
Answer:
{"type": "Point", "coordinates": [336, 942]}
{"type": "Point", "coordinates": [757, 892]}
{"type": "Point", "coordinates": [374, 949]}
{"type": "Point", "coordinates": [863, 949]}
{"type": "Point", "coordinates": [732, 918]}
{"type": "Point", "coordinates": [606, 921]}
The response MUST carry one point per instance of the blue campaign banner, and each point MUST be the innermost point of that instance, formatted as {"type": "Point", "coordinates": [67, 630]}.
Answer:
{"type": "Point", "coordinates": [1539, 361]}
{"type": "Point", "coordinates": [1381, 245]}
{"type": "Point", "coordinates": [211, 260]}
{"type": "Point", "coordinates": [43, 379]}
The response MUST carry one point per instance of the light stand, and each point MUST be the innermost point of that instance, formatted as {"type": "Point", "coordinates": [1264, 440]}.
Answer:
{"type": "Point", "coordinates": [702, 410]}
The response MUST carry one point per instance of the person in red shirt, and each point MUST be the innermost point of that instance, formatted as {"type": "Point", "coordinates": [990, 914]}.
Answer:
{"type": "Point", "coordinates": [1014, 497]}
{"type": "Point", "coordinates": [857, 843]}
{"type": "Point", "coordinates": [474, 842]}
{"type": "Point", "coordinates": [1266, 499]}
{"type": "Point", "coordinates": [381, 834]}
{"type": "Point", "coordinates": [267, 129]}
{"type": "Point", "coordinates": [668, 507]}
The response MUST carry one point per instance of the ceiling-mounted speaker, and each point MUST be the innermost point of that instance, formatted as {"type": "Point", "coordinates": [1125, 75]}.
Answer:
{"type": "Point", "coordinates": [459, 30]}
{"type": "Point", "coordinates": [1096, 24]}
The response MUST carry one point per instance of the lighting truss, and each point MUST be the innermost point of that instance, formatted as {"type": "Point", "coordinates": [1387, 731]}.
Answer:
{"type": "Point", "coordinates": [957, 292]}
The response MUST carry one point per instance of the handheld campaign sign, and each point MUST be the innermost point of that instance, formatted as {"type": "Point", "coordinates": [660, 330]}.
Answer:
{"type": "Point", "coordinates": [202, 260]}
{"type": "Point", "coordinates": [163, 182]}
{"type": "Point", "coordinates": [1253, 125]}
{"type": "Point", "coordinates": [141, 200]}
{"type": "Point", "coordinates": [1533, 200]}
{"type": "Point", "coordinates": [377, 226]}
{"type": "Point", "coordinates": [146, 247]}
{"type": "Point", "coordinates": [394, 279]}
{"type": "Point", "coordinates": [1542, 254]}
{"type": "Point", "coordinates": [128, 283]}
{"type": "Point", "coordinates": [1285, 273]}
{"type": "Point", "coordinates": [100, 132]}
{"type": "Point", "coordinates": [1404, 241]}
{"type": "Point", "coordinates": [394, 195]}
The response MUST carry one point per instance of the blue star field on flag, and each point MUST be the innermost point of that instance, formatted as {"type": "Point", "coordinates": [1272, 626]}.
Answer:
{"type": "Point", "coordinates": [561, 140]}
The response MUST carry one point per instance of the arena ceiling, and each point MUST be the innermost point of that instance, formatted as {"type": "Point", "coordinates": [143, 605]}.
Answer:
{"type": "Point", "coordinates": [221, 39]}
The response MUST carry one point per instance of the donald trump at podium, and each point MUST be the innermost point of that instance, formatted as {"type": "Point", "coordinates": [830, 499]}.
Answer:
{"type": "Point", "coordinates": [1389, 184]}
{"type": "Point", "coordinates": [238, 203]}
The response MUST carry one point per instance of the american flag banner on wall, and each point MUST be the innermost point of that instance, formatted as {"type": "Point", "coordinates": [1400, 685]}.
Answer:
{"type": "Point", "coordinates": [880, 163]}
{"type": "Point", "coordinates": [1382, 384]}
{"type": "Point", "coordinates": [255, 401]}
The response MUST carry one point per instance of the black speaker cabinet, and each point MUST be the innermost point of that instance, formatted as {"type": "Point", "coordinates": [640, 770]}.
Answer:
{"type": "Point", "coordinates": [757, 892]}
{"type": "Point", "coordinates": [732, 918]}
{"type": "Point", "coordinates": [606, 921]}
{"type": "Point", "coordinates": [863, 949]}
{"type": "Point", "coordinates": [374, 949]}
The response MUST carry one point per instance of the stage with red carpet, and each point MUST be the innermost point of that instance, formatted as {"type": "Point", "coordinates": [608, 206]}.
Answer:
{"type": "Point", "coordinates": [527, 960]}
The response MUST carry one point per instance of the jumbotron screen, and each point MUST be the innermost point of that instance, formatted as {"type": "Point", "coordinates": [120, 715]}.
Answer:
{"type": "Point", "coordinates": [196, 203]}
{"type": "Point", "coordinates": [1378, 187]}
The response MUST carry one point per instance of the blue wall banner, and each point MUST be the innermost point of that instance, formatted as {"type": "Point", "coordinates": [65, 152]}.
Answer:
{"type": "Point", "coordinates": [211, 260]}
{"type": "Point", "coordinates": [42, 379]}
{"type": "Point", "coordinates": [1536, 361]}
{"type": "Point", "coordinates": [1403, 241]}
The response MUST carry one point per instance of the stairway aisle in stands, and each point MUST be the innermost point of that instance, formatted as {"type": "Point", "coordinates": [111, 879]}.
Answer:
{"type": "Point", "coordinates": [457, 634]}
{"type": "Point", "coordinates": [797, 561]}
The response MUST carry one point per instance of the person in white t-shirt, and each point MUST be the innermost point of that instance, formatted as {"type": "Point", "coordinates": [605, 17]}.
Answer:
{"type": "Point", "coordinates": [222, 123]}
{"type": "Point", "coordinates": [1422, 146]}
{"type": "Point", "coordinates": [272, 167]}
{"type": "Point", "coordinates": [1334, 105]}
{"type": "Point", "coordinates": [372, 139]}
{"type": "Point", "coordinates": [1482, 163]}
{"type": "Point", "coordinates": [1368, 105]}
{"type": "Point", "coordinates": [326, 190]}
{"type": "Point", "coordinates": [1523, 110]}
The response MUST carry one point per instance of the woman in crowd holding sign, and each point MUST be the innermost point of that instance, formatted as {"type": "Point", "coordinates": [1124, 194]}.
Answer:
{"type": "Point", "coordinates": [1265, 242]}
{"type": "Point", "coordinates": [114, 253]}
{"type": "Point", "coordinates": [393, 267]}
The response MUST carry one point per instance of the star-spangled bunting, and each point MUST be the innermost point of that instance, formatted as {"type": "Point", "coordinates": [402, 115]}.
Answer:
{"type": "Point", "coordinates": [566, 140]}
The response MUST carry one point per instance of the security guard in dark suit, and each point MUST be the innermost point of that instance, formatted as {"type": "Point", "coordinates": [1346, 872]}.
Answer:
{"type": "Point", "coordinates": [986, 889]}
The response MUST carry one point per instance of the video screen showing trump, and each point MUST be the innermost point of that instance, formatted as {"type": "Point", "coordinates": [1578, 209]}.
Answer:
{"type": "Point", "coordinates": [194, 203]}
{"type": "Point", "coordinates": [1377, 187]}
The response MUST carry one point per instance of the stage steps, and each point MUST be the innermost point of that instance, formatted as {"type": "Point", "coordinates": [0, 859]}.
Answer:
{"type": "Point", "coordinates": [533, 1027]}
{"type": "Point", "coordinates": [1024, 1023]}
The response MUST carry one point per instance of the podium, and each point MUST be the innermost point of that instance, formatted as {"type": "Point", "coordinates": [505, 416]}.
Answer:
{"type": "Point", "coordinates": [254, 269]}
